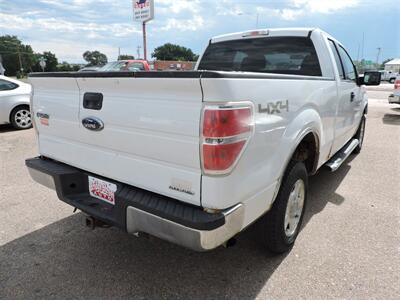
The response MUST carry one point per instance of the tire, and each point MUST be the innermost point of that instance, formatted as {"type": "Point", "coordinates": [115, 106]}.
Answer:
{"type": "Point", "coordinates": [20, 117]}
{"type": "Point", "coordinates": [392, 80]}
{"type": "Point", "coordinates": [277, 235]}
{"type": "Point", "coordinates": [360, 135]}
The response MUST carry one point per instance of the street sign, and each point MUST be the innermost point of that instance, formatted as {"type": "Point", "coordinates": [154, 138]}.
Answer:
{"type": "Point", "coordinates": [143, 10]}
{"type": "Point", "coordinates": [42, 63]}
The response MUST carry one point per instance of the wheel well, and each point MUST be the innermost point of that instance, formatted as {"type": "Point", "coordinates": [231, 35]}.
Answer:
{"type": "Point", "coordinates": [19, 105]}
{"type": "Point", "coordinates": [308, 152]}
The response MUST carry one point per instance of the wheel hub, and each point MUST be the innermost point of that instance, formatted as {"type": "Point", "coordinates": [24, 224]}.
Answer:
{"type": "Point", "coordinates": [23, 118]}
{"type": "Point", "coordinates": [294, 208]}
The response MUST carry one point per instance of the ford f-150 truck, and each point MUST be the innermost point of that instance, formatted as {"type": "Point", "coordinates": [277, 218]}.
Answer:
{"type": "Point", "coordinates": [196, 157]}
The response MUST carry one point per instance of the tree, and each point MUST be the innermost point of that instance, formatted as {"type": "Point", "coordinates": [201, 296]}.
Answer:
{"type": "Point", "coordinates": [51, 62]}
{"type": "Point", "coordinates": [95, 58]}
{"type": "Point", "coordinates": [170, 51]}
{"type": "Point", "coordinates": [66, 67]}
{"type": "Point", "coordinates": [125, 56]}
{"type": "Point", "coordinates": [16, 56]}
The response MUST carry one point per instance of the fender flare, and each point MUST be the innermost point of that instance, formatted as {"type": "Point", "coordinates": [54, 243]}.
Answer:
{"type": "Point", "coordinates": [313, 126]}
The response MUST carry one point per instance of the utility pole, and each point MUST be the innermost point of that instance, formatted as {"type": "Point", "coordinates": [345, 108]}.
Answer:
{"type": "Point", "coordinates": [377, 56]}
{"type": "Point", "coordinates": [138, 51]}
{"type": "Point", "coordinates": [20, 60]}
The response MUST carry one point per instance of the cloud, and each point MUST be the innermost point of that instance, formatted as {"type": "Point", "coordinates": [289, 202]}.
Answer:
{"type": "Point", "coordinates": [324, 6]}
{"type": "Point", "coordinates": [178, 6]}
{"type": "Point", "coordinates": [184, 25]}
{"type": "Point", "coordinates": [63, 26]}
{"type": "Point", "coordinates": [285, 10]}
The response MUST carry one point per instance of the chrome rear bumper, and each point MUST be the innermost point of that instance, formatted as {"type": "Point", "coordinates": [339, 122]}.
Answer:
{"type": "Point", "coordinates": [138, 210]}
{"type": "Point", "coordinates": [199, 240]}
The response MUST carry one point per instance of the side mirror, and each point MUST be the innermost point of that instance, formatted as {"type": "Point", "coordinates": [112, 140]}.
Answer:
{"type": "Point", "coordinates": [370, 78]}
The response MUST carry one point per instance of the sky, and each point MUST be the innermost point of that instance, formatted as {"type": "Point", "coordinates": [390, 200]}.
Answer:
{"type": "Point", "coordinates": [69, 28]}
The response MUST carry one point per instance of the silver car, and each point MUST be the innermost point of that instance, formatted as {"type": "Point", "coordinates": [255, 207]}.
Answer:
{"type": "Point", "coordinates": [14, 103]}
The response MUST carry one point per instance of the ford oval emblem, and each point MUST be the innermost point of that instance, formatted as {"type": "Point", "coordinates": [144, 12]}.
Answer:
{"type": "Point", "coordinates": [93, 123]}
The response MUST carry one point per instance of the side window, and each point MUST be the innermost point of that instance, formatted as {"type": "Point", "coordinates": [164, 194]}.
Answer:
{"type": "Point", "coordinates": [7, 86]}
{"type": "Point", "coordinates": [136, 67]}
{"type": "Point", "coordinates": [348, 66]}
{"type": "Point", "coordinates": [337, 58]}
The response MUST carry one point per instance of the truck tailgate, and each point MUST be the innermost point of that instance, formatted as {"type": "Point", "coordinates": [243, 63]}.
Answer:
{"type": "Point", "coordinates": [151, 129]}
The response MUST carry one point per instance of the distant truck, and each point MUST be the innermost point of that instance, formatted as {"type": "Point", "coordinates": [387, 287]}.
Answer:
{"type": "Point", "coordinates": [196, 157]}
{"type": "Point", "coordinates": [388, 76]}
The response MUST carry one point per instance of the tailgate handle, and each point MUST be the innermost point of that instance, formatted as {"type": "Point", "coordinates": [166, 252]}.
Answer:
{"type": "Point", "coordinates": [93, 101]}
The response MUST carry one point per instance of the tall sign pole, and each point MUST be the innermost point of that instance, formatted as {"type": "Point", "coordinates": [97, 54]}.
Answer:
{"type": "Point", "coordinates": [144, 41]}
{"type": "Point", "coordinates": [143, 11]}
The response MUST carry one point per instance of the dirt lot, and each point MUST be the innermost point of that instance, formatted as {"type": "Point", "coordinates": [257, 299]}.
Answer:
{"type": "Point", "coordinates": [348, 248]}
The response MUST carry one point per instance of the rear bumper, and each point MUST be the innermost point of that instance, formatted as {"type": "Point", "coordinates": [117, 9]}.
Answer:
{"type": "Point", "coordinates": [137, 210]}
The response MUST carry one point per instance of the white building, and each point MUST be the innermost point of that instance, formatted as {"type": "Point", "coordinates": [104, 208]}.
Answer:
{"type": "Point", "coordinates": [393, 65]}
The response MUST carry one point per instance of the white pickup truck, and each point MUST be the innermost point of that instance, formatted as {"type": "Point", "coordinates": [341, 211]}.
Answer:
{"type": "Point", "coordinates": [196, 157]}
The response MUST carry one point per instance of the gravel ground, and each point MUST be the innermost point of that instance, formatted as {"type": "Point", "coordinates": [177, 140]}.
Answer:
{"type": "Point", "coordinates": [348, 248]}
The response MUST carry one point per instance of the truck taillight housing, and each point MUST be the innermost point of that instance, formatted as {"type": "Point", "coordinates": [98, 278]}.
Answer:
{"type": "Point", "coordinates": [226, 129]}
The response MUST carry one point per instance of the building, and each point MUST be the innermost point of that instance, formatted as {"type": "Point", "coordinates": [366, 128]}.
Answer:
{"type": "Point", "coordinates": [393, 65]}
{"type": "Point", "coordinates": [164, 65]}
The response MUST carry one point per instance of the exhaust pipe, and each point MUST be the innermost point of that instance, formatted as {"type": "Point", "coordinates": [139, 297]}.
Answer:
{"type": "Point", "coordinates": [92, 223]}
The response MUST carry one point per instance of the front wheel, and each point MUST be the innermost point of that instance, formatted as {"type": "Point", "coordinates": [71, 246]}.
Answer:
{"type": "Point", "coordinates": [280, 226]}
{"type": "Point", "coordinates": [360, 135]}
{"type": "Point", "coordinates": [391, 80]}
{"type": "Point", "coordinates": [21, 117]}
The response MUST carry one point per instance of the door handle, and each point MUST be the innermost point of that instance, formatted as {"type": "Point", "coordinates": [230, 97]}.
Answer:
{"type": "Point", "coordinates": [352, 96]}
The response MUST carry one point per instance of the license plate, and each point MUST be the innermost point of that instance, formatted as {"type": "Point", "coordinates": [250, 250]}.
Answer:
{"type": "Point", "coordinates": [102, 190]}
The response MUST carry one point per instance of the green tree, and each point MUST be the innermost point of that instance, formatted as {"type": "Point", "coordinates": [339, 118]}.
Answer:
{"type": "Point", "coordinates": [170, 51]}
{"type": "Point", "coordinates": [95, 58]}
{"type": "Point", "coordinates": [65, 67]}
{"type": "Point", "coordinates": [16, 55]}
{"type": "Point", "coordinates": [51, 62]}
{"type": "Point", "coordinates": [125, 56]}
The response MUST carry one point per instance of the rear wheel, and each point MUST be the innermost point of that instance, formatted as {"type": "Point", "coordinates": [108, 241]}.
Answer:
{"type": "Point", "coordinates": [20, 117]}
{"type": "Point", "coordinates": [360, 135]}
{"type": "Point", "coordinates": [280, 226]}
{"type": "Point", "coordinates": [392, 80]}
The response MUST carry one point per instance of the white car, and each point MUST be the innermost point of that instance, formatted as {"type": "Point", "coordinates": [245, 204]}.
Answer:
{"type": "Point", "coordinates": [196, 157]}
{"type": "Point", "coordinates": [14, 103]}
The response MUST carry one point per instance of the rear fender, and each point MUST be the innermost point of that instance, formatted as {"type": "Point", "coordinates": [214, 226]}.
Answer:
{"type": "Point", "coordinates": [307, 121]}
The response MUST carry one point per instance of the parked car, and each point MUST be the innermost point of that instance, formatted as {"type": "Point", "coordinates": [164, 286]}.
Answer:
{"type": "Point", "coordinates": [89, 69]}
{"type": "Point", "coordinates": [196, 157]}
{"type": "Point", "coordinates": [126, 65]}
{"type": "Point", "coordinates": [14, 103]}
{"type": "Point", "coordinates": [395, 97]}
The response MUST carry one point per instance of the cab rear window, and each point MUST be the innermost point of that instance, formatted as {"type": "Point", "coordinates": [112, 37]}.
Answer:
{"type": "Point", "coordinates": [282, 55]}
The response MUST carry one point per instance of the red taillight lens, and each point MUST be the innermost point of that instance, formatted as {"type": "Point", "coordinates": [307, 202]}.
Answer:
{"type": "Point", "coordinates": [226, 122]}
{"type": "Point", "coordinates": [226, 129]}
{"type": "Point", "coordinates": [221, 157]}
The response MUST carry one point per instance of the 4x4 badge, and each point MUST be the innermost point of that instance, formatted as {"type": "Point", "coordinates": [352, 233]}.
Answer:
{"type": "Point", "coordinates": [273, 108]}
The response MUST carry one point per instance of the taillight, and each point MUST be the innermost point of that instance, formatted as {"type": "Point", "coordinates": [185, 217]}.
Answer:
{"type": "Point", "coordinates": [397, 84]}
{"type": "Point", "coordinates": [225, 132]}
